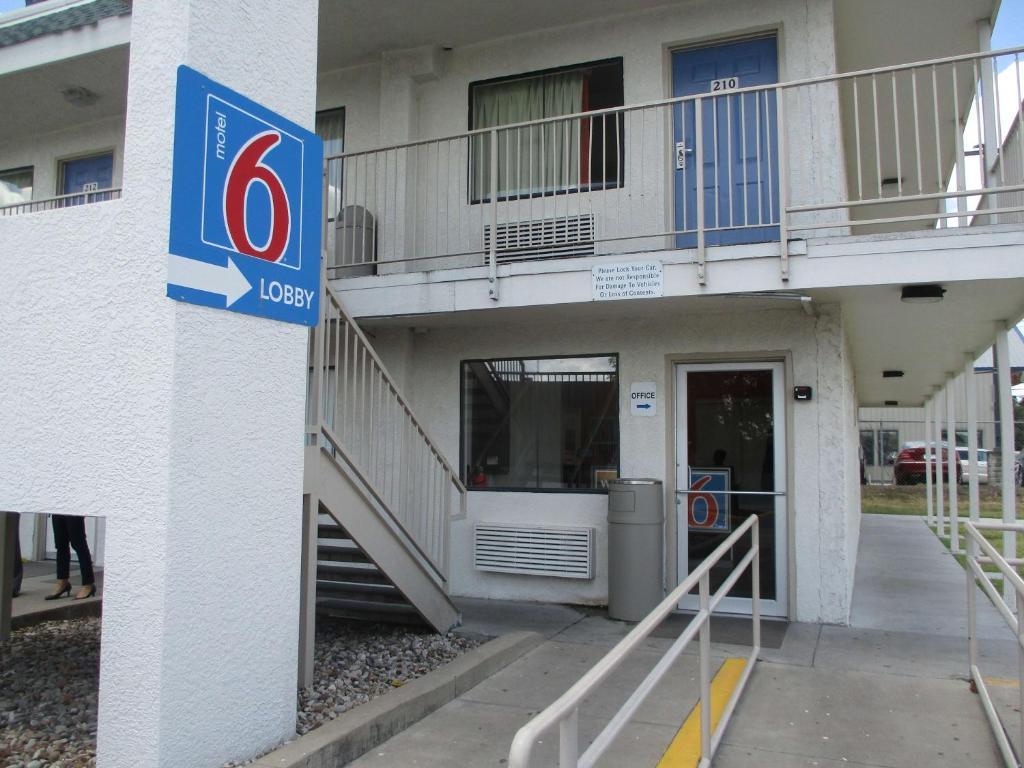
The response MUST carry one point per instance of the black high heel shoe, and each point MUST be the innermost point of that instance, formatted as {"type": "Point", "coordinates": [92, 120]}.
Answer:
{"type": "Point", "coordinates": [91, 592]}
{"type": "Point", "coordinates": [60, 592]}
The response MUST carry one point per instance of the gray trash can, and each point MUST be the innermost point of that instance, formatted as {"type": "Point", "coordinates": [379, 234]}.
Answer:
{"type": "Point", "coordinates": [355, 242]}
{"type": "Point", "coordinates": [636, 517]}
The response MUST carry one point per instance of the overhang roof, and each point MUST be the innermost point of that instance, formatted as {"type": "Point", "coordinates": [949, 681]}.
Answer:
{"type": "Point", "coordinates": [55, 16]}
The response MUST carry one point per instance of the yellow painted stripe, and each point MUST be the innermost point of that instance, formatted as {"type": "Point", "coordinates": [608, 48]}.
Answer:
{"type": "Point", "coordinates": [1001, 682]}
{"type": "Point", "coordinates": [684, 751]}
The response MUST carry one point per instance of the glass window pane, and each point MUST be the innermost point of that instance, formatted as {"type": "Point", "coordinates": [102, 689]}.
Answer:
{"type": "Point", "coordinates": [547, 423]}
{"type": "Point", "coordinates": [867, 446]}
{"type": "Point", "coordinates": [576, 154]}
{"type": "Point", "coordinates": [330, 127]}
{"type": "Point", "coordinates": [889, 440]}
{"type": "Point", "coordinates": [15, 186]}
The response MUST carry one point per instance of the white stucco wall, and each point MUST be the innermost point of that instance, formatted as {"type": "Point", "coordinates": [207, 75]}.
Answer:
{"type": "Point", "coordinates": [821, 434]}
{"type": "Point", "coordinates": [182, 424]}
{"type": "Point", "coordinates": [45, 152]}
{"type": "Point", "coordinates": [420, 96]}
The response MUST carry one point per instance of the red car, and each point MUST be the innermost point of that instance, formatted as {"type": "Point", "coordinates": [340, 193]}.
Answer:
{"type": "Point", "coordinates": [911, 462]}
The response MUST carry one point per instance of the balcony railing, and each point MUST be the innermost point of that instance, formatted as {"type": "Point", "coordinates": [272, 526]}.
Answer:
{"type": "Point", "coordinates": [61, 201]}
{"type": "Point", "coordinates": [917, 146]}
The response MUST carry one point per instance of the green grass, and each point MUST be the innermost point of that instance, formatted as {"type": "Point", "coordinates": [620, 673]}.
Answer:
{"type": "Point", "coordinates": [910, 500]}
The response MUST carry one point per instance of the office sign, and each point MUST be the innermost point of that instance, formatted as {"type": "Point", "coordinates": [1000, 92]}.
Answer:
{"type": "Point", "coordinates": [246, 204]}
{"type": "Point", "coordinates": [643, 398]}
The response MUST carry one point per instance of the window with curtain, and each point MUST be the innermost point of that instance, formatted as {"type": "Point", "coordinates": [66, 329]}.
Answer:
{"type": "Point", "coordinates": [330, 127]}
{"type": "Point", "coordinates": [15, 186]}
{"type": "Point", "coordinates": [541, 423]}
{"type": "Point", "coordinates": [577, 154]}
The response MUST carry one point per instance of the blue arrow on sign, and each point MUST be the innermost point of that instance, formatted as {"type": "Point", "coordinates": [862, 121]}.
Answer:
{"type": "Point", "coordinates": [643, 406]}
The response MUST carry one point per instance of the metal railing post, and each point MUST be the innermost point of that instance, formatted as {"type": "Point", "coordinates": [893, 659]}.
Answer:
{"type": "Point", "coordinates": [783, 166]}
{"type": "Point", "coordinates": [755, 582]}
{"type": "Point", "coordinates": [1020, 663]}
{"type": "Point", "coordinates": [972, 641]}
{"type": "Point", "coordinates": [705, 667]}
{"type": "Point", "coordinates": [698, 139]}
{"type": "Point", "coordinates": [492, 256]}
{"type": "Point", "coordinates": [568, 741]}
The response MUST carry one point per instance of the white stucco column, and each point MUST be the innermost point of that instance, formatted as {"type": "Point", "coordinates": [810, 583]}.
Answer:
{"type": "Point", "coordinates": [971, 392]}
{"type": "Point", "coordinates": [936, 461]}
{"type": "Point", "coordinates": [1006, 444]}
{"type": "Point", "coordinates": [929, 406]}
{"type": "Point", "coordinates": [201, 603]}
{"type": "Point", "coordinates": [951, 463]}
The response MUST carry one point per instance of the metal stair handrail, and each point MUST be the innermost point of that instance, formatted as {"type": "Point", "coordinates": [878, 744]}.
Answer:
{"type": "Point", "coordinates": [355, 407]}
{"type": "Point", "coordinates": [564, 712]}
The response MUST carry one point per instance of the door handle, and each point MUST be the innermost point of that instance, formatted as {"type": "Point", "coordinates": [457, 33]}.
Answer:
{"type": "Point", "coordinates": [681, 152]}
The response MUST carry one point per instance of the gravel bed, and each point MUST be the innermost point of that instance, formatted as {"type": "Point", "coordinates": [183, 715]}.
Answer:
{"type": "Point", "coordinates": [49, 681]}
{"type": "Point", "coordinates": [48, 685]}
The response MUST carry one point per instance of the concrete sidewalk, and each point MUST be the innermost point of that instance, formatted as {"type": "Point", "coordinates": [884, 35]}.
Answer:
{"type": "Point", "coordinates": [889, 690]}
{"type": "Point", "coordinates": [31, 606]}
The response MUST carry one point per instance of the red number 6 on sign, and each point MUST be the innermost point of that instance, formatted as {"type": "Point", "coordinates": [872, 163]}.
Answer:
{"type": "Point", "coordinates": [246, 169]}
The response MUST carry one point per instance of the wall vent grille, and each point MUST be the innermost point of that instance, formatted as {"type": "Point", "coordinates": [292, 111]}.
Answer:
{"type": "Point", "coordinates": [559, 238]}
{"type": "Point", "coordinates": [567, 553]}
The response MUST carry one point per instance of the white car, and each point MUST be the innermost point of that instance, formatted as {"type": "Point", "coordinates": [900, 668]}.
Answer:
{"type": "Point", "coordinates": [962, 455]}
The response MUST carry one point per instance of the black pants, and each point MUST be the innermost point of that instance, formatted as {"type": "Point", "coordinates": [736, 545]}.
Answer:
{"type": "Point", "coordinates": [69, 531]}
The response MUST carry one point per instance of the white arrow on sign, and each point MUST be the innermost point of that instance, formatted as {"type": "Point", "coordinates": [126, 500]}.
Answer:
{"type": "Point", "coordinates": [227, 281]}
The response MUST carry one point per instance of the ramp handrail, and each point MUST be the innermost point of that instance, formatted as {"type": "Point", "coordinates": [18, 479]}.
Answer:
{"type": "Point", "coordinates": [975, 542]}
{"type": "Point", "coordinates": [564, 712]}
{"type": "Point", "coordinates": [355, 406]}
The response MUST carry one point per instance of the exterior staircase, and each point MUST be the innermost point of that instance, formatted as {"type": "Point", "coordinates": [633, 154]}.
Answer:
{"type": "Point", "coordinates": [379, 495]}
{"type": "Point", "coordinates": [349, 584]}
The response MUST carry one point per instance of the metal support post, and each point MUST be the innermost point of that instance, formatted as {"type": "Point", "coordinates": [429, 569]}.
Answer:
{"type": "Point", "coordinates": [971, 392]}
{"type": "Point", "coordinates": [780, 136]}
{"type": "Point", "coordinates": [929, 407]}
{"type": "Point", "coordinates": [307, 595]}
{"type": "Point", "coordinates": [936, 464]}
{"type": "Point", "coordinates": [1006, 449]}
{"type": "Point", "coordinates": [8, 523]}
{"type": "Point", "coordinates": [972, 609]}
{"type": "Point", "coordinates": [1020, 662]}
{"type": "Point", "coordinates": [952, 462]}
{"type": "Point", "coordinates": [492, 256]}
{"type": "Point", "coordinates": [699, 160]}
{"type": "Point", "coordinates": [705, 667]}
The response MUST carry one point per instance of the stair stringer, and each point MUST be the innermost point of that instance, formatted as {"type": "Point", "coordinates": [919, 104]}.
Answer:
{"type": "Point", "coordinates": [344, 496]}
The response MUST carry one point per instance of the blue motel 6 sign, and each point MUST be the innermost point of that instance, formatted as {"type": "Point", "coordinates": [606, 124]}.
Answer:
{"type": "Point", "coordinates": [245, 206]}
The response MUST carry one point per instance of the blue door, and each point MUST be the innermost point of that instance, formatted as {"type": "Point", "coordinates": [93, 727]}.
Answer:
{"type": "Point", "coordinates": [87, 174]}
{"type": "Point", "coordinates": [740, 143]}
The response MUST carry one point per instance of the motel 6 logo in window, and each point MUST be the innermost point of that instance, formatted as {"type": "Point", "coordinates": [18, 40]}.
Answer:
{"type": "Point", "coordinates": [245, 206]}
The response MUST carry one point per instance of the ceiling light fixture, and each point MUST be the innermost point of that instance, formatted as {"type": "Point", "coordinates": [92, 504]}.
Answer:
{"type": "Point", "coordinates": [79, 95]}
{"type": "Point", "coordinates": [892, 374]}
{"type": "Point", "coordinates": [922, 294]}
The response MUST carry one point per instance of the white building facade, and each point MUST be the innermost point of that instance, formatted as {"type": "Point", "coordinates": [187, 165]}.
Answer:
{"type": "Point", "coordinates": [565, 244]}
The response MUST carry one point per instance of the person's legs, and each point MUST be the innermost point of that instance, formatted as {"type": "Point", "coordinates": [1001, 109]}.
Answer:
{"type": "Point", "coordinates": [63, 546]}
{"type": "Point", "coordinates": [60, 538]}
{"type": "Point", "coordinates": [76, 535]}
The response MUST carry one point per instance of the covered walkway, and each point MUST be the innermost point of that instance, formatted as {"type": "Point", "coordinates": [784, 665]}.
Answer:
{"type": "Point", "coordinates": [889, 690]}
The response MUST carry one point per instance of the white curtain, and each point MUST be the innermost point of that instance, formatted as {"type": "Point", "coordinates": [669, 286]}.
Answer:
{"type": "Point", "coordinates": [539, 158]}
